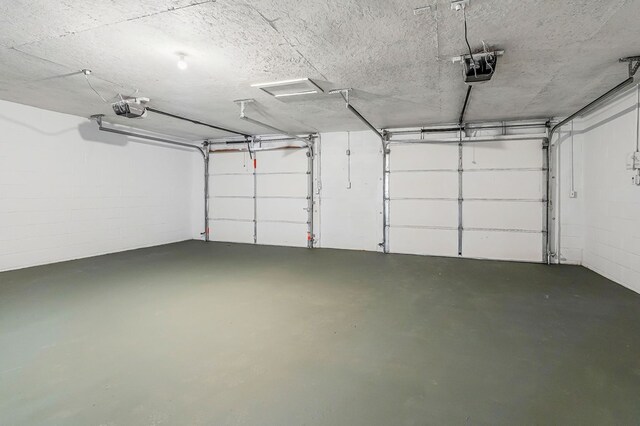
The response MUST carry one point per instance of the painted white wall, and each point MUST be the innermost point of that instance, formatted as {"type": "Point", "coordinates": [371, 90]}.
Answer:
{"type": "Point", "coordinates": [570, 178]}
{"type": "Point", "coordinates": [68, 191]}
{"type": "Point", "coordinates": [601, 228]}
{"type": "Point", "coordinates": [350, 218]}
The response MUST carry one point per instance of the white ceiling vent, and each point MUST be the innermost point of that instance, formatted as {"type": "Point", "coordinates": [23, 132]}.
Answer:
{"type": "Point", "coordinates": [284, 88]}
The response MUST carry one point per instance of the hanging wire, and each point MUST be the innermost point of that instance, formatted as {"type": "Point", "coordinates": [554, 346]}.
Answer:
{"type": "Point", "coordinates": [466, 38]}
{"type": "Point", "coordinates": [489, 57]}
{"type": "Point", "coordinates": [86, 77]}
{"type": "Point", "coordinates": [119, 95]}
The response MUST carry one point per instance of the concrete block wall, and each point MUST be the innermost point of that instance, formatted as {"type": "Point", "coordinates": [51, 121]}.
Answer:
{"type": "Point", "coordinates": [68, 191]}
{"type": "Point", "coordinates": [605, 217]}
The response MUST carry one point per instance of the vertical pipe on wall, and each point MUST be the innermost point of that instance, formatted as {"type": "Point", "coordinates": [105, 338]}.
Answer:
{"type": "Point", "coordinates": [348, 160]}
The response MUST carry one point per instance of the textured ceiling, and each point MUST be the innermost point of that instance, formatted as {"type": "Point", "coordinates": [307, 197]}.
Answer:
{"type": "Point", "coordinates": [559, 55]}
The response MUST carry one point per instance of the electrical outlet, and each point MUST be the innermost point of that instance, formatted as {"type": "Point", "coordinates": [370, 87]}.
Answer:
{"type": "Point", "coordinates": [573, 194]}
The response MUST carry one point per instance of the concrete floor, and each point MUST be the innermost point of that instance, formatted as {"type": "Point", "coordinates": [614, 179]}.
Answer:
{"type": "Point", "coordinates": [196, 333]}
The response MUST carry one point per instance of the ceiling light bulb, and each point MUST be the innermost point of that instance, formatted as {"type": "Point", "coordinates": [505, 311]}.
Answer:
{"type": "Point", "coordinates": [182, 64]}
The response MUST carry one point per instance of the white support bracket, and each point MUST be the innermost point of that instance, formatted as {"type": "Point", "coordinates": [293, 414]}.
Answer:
{"type": "Point", "coordinates": [634, 64]}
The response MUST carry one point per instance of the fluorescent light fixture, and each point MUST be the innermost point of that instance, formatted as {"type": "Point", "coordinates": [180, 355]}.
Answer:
{"type": "Point", "coordinates": [286, 88]}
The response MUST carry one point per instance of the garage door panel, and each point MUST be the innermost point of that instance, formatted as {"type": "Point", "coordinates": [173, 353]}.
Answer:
{"type": "Point", "coordinates": [282, 234]}
{"type": "Point", "coordinates": [231, 208]}
{"type": "Point", "coordinates": [503, 215]}
{"type": "Point", "coordinates": [282, 186]}
{"type": "Point", "coordinates": [230, 162]}
{"type": "Point", "coordinates": [503, 185]}
{"type": "Point", "coordinates": [424, 185]}
{"type": "Point", "coordinates": [424, 213]}
{"type": "Point", "coordinates": [502, 154]}
{"type": "Point", "coordinates": [428, 242]}
{"type": "Point", "coordinates": [282, 161]}
{"type": "Point", "coordinates": [422, 157]}
{"type": "Point", "coordinates": [503, 245]}
{"type": "Point", "coordinates": [284, 209]}
{"type": "Point", "coordinates": [231, 231]}
{"type": "Point", "coordinates": [231, 185]}
{"type": "Point", "coordinates": [503, 188]}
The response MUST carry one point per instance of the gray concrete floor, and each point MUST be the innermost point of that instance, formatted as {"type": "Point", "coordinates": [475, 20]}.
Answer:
{"type": "Point", "coordinates": [196, 333]}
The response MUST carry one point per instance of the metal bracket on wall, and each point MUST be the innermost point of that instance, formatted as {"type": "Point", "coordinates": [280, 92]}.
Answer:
{"type": "Point", "coordinates": [634, 64]}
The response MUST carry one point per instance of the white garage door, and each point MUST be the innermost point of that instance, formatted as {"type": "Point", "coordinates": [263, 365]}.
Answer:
{"type": "Point", "coordinates": [266, 205]}
{"type": "Point", "coordinates": [491, 207]}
